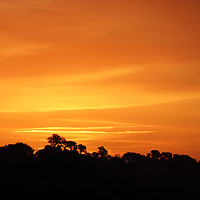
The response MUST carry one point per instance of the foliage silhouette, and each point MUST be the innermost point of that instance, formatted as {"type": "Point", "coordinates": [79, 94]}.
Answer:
{"type": "Point", "coordinates": [82, 148]}
{"type": "Point", "coordinates": [15, 152]}
{"type": "Point", "coordinates": [166, 156]}
{"type": "Point", "coordinates": [64, 170]}
{"type": "Point", "coordinates": [155, 154]}
{"type": "Point", "coordinates": [102, 151]}
{"type": "Point", "coordinates": [71, 145]}
{"type": "Point", "coordinates": [55, 140]}
{"type": "Point", "coordinates": [132, 157]}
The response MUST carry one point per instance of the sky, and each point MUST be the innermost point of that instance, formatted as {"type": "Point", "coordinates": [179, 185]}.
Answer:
{"type": "Point", "coordinates": [123, 74]}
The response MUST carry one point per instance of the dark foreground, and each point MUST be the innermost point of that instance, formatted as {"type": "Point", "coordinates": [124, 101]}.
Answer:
{"type": "Point", "coordinates": [56, 173]}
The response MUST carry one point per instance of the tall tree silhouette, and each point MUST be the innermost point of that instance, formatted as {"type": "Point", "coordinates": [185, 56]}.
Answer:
{"type": "Point", "coordinates": [55, 140]}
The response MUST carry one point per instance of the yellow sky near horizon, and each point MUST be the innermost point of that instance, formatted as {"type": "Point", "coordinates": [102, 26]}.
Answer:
{"type": "Point", "coordinates": [84, 56]}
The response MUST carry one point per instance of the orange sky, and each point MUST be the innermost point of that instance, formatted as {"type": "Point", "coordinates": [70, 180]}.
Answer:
{"type": "Point", "coordinates": [124, 74]}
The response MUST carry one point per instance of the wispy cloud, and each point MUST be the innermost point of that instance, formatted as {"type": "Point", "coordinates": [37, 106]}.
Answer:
{"type": "Point", "coordinates": [85, 130]}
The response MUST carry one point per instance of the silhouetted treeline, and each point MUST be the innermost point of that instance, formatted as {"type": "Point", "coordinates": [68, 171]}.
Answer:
{"type": "Point", "coordinates": [65, 170]}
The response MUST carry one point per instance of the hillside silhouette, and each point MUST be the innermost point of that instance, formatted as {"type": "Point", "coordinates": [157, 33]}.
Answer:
{"type": "Point", "coordinates": [65, 170]}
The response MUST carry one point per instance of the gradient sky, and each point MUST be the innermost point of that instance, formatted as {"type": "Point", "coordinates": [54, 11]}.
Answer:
{"type": "Point", "coordinates": [123, 74]}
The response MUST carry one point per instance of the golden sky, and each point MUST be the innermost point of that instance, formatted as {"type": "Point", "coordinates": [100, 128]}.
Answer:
{"type": "Point", "coordinates": [124, 74]}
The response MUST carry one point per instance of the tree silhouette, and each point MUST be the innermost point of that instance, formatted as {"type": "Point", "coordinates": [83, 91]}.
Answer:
{"type": "Point", "coordinates": [71, 145]}
{"type": "Point", "coordinates": [166, 155]}
{"type": "Point", "coordinates": [155, 154]}
{"type": "Point", "coordinates": [55, 140]}
{"type": "Point", "coordinates": [102, 151]}
{"type": "Point", "coordinates": [82, 148]}
{"type": "Point", "coordinates": [95, 154]}
{"type": "Point", "coordinates": [158, 174]}
{"type": "Point", "coordinates": [184, 159]}
{"type": "Point", "coordinates": [13, 152]}
{"type": "Point", "coordinates": [64, 143]}
{"type": "Point", "coordinates": [131, 157]}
